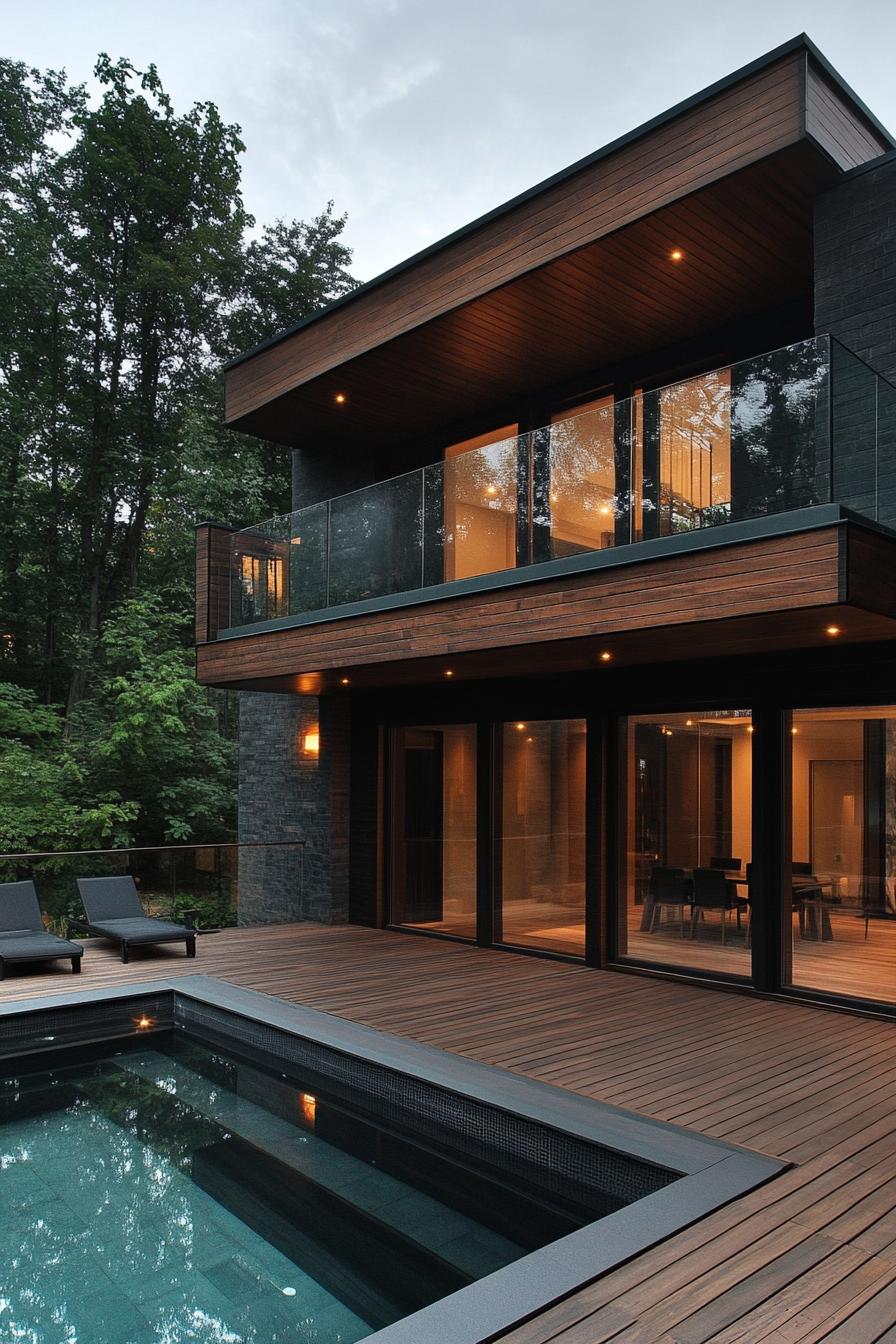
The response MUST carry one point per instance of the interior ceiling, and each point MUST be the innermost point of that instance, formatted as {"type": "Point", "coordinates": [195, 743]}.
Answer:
{"type": "Point", "coordinates": [747, 242]}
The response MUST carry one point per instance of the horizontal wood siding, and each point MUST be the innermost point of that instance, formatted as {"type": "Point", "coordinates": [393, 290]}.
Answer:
{"type": "Point", "coordinates": [772, 575]}
{"type": "Point", "coordinates": [740, 126]}
{"type": "Point", "coordinates": [840, 130]}
{"type": "Point", "coordinates": [212, 580]}
{"type": "Point", "coordinates": [870, 572]}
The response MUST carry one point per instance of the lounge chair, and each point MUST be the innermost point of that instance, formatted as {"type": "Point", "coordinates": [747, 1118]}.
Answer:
{"type": "Point", "coordinates": [114, 911]}
{"type": "Point", "coordinates": [22, 933]}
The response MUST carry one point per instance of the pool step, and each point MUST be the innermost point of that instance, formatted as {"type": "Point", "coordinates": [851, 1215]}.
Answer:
{"type": "Point", "coordinates": [463, 1244]}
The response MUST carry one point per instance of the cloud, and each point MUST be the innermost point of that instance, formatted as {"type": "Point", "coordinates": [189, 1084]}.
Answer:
{"type": "Point", "coordinates": [416, 116]}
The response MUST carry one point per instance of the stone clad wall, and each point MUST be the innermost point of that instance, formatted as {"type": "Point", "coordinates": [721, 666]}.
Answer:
{"type": "Point", "coordinates": [284, 795]}
{"type": "Point", "coordinates": [855, 301]}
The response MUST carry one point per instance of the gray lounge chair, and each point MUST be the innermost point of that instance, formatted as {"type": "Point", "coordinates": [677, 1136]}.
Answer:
{"type": "Point", "coordinates": [22, 933]}
{"type": "Point", "coordinates": [114, 911]}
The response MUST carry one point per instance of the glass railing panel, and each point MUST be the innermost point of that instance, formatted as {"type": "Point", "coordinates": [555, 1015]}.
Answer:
{"type": "Point", "coordinates": [259, 589]}
{"type": "Point", "coordinates": [780, 430]}
{"type": "Point", "coordinates": [586, 504]}
{"type": "Point", "coordinates": [854, 426]}
{"type": "Point", "coordinates": [212, 886]}
{"type": "Point", "coordinates": [376, 540]}
{"type": "Point", "coordinates": [308, 558]}
{"type": "Point", "coordinates": [474, 504]}
{"type": "Point", "coordinates": [739, 442]}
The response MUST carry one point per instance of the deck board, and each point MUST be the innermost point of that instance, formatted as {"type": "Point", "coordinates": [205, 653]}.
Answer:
{"type": "Point", "coordinates": [809, 1258]}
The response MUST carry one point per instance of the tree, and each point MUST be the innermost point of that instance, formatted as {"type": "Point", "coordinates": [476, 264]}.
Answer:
{"type": "Point", "coordinates": [151, 733]}
{"type": "Point", "coordinates": [46, 802]}
{"type": "Point", "coordinates": [129, 271]}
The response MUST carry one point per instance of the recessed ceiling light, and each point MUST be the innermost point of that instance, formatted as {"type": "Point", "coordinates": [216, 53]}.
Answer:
{"type": "Point", "coordinates": [606, 656]}
{"type": "Point", "coordinates": [676, 254]}
{"type": "Point", "coordinates": [521, 727]}
{"type": "Point", "coordinates": [344, 681]}
{"type": "Point", "coordinates": [340, 398]}
{"type": "Point", "coordinates": [449, 672]}
{"type": "Point", "coordinates": [832, 630]}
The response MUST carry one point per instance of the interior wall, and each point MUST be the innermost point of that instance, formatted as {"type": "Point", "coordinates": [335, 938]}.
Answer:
{"type": "Point", "coordinates": [459, 815]}
{"type": "Point", "coordinates": [817, 740]}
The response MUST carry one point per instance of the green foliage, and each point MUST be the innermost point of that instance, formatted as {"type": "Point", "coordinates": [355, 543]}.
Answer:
{"type": "Point", "coordinates": [148, 730]}
{"type": "Point", "coordinates": [46, 799]}
{"type": "Point", "coordinates": [129, 269]}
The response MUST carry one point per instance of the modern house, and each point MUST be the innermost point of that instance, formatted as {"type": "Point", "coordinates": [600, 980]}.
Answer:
{"type": "Point", "coordinates": [581, 638]}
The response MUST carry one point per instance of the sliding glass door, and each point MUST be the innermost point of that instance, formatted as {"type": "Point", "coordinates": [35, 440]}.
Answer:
{"type": "Point", "coordinates": [685, 841]}
{"type": "Point", "coordinates": [540, 849]}
{"type": "Point", "coordinates": [433, 849]}
{"type": "Point", "coordinates": [843, 851]}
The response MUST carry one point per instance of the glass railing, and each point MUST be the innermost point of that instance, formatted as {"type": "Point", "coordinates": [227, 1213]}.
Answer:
{"type": "Point", "coordinates": [215, 885]}
{"type": "Point", "coordinates": [806, 424]}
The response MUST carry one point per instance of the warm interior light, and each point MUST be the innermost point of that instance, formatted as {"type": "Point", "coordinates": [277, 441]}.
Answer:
{"type": "Point", "coordinates": [344, 681]}
{"type": "Point", "coordinates": [530, 739]}
{"type": "Point", "coordinates": [676, 254]}
{"type": "Point", "coordinates": [448, 672]}
{"type": "Point", "coordinates": [308, 1105]}
{"type": "Point", "coordinates": [689, 723]}
{"type": "Point", "coordinates": [832, 630]}
{"type": "Point", "coordinates": [311, 742]}
{"type": "Point", "coordinates": [340, 398]}
{"type": "Point", "coordinates": [749, 727]}
{"type": "Point", "coordinates": [794, 731]}
{"type": "Point", "coordinates": [605, 510]}
{"type": "Point", "coordinates": [606, 656]}
{"type": "Point", "coordinates": [144, 1023]}
{"type": "Point", "coordinates": [491, 491]}
{"type": "Point", "coordinates": [521, 727]}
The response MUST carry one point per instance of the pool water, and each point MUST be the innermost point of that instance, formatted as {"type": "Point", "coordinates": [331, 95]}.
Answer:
{"type": "Point", "coordinates": [170, 1192]}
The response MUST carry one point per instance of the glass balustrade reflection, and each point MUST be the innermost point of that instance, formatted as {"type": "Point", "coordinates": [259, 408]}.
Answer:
{"type": "Point", "coordinates": [781, 431]}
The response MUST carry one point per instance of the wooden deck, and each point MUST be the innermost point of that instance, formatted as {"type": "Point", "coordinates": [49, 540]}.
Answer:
{"type": "Point", "coordinates": [810, 1257]}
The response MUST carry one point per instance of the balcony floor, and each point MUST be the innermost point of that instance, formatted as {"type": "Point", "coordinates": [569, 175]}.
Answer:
{"type": "Point", "coordinates": [810, 1257]}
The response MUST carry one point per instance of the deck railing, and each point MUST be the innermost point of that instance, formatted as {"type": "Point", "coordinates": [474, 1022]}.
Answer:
{"type": "Point", "coordinates": [221, 883]}
{"type": "Point", "coordinates": [806, 424]}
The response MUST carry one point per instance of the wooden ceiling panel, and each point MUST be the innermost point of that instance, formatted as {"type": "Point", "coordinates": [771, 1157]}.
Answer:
{"type": "Point", "coordinates": [747, 245]}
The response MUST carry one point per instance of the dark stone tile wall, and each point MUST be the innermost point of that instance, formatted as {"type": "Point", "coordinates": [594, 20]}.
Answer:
{"type": "Point", "coordinates": [855, 301]}
{"type": "Point", "coordinates": [285, 795]}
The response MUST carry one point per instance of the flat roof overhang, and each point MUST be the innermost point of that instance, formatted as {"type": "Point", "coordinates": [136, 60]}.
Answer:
{"type": "Point", "coordinates": [575, 275]}
{"type": "Point", "coordinates": [739, 589]}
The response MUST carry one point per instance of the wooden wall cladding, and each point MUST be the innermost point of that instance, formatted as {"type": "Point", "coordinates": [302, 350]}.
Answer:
{"type": "Point", "coordinates": [836, 125]}
{"type": "Point", "coordinates": [809, 571]}
{"type": "Point", "coordinates": [212, 580]}
{"type": "Point", "coordinates": [746, 122]}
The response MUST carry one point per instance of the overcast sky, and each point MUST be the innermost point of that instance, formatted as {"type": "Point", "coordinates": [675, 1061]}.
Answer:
{"type": "Point", "coordinates": [416, 116]}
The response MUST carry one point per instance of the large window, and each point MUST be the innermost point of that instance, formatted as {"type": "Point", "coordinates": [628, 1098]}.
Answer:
{"type": "Point", "coordinates": [541, 855]}
{"type": "Point", "coordinates": [584, 504]}
{"type": "Point", "coordinates": [480, 503]}
{"type": "Point", "coordinates": [843, 897]}
{"type": "Point", "coordinates": [686, 840]}
{"type": "Point", "coordinates": [695, 453]}
{"type": "Point", "coordinates": [433, 852]}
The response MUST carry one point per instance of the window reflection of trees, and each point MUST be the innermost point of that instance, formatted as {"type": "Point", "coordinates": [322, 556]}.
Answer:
{"type": "Point", "coordinates": [584, 503]}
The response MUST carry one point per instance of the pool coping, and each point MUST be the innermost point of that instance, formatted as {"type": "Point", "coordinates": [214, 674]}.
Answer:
{"type": "Point", "coordinates": [714, 1172]}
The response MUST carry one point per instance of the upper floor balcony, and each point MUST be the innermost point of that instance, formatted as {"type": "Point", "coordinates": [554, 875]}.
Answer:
{"type": "Point", "coordinates": [801, 426]}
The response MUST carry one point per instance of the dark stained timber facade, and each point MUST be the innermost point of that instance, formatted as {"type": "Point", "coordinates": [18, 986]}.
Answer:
{"type": "Point", "coordinates": [580, 637]}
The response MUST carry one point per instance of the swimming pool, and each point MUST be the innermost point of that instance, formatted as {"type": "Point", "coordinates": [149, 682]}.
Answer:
{"type": "Point", "coordinates": [193, 1162]}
